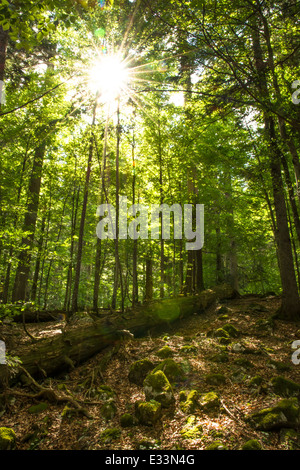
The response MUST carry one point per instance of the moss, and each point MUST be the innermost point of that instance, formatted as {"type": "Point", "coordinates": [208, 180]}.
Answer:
{"type": "Point", "coordinates": [173, 371]}
{"type": "Point", "coordinates": [216, 445]}
{"type": "Point", "coordinates": [148, 413]}
{"type": "Point", "coordinates": [158, 387]}
{"type": "Point", "coordinates": [68, 412]}
{"type": "Point", "coordinates": [165, 352]}
{"type": "Point", "coordinates": [189, 401]}
{"type": "Point", "coordinates": [126, 420]}
{"type": "Point", "coordinates": [139, 370]}
{"type": "Point", "coordinates": [255, 381]}
{"type": "Point", "coordinates": [231, 330]}
{"type": "Point", "coordinates": [108, 410]}
{"type": "Point", "coordinates": [189, 349]}
{"type": "Point", "coordinates": [252, 444]}
{"type": "Point", "coordinates": [110, 434]}
{"type": "Point", "coordinates": [209, 401]}
{"type": "Point", "coordinates": [290, 438]}
{"type": "Point", "coordinates": [284, 387]}
{"type": "Point", "coordinates": [192, 429]}
{"type": "Point", "coordinates": [285, 414]}
{"type": "Point", "coordinates": [7, 439]}
{"type": "Point", "coordinates": [220, 357]}
{"type": "Point", "coordinates": [221, 333]}
{"type": "Point", "coordinates": [35, 409]}
{"type": "Point", "coordinates": [215, 379]}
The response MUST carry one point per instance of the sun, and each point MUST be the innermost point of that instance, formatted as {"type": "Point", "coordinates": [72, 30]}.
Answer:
{"type": "Point", "coordinates": [109, 78]}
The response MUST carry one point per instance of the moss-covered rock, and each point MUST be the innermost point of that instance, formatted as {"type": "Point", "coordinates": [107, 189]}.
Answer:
{"type": "Point", "coordinates": [7, 439]}
{"type": "Point", "coordinates": [189, 401]}
{"type": "Point", "coordinates": [126, 420]}
{"type": "Point", "coordinates": [215, 379]}
{"type": "Point", "coordinates": [221, 333]}
{"type": "Point", "coordinates": [284, 387]}
{"type": "Point", "coordinates": [188, 349]}
{"type": "Point", "coordinates": [252, 444]}
{"type": "Point", "coordinates": [157, 387]}
{"type": "Point", "coordinates": [231, 330]}
{"type": "Point", "coordinates": [139, 370]}
{"type": "Point", "coordinates": [172, 370]}
{"type": "Point", "coordinates": [255, 381]}
{"type": "Point", "coordinates": [108, 410]}
{"type": "Point", "coordinates": [148, 413]}
{"type": "Point", "coordinates": [192, 429]}
{"type": "Point", "coordinates": [216, 445]}
{"type": "Point", "coordinates": [110, 434]}
{"type": "Point", "coordinates": [165, 352]}
{"type": "Point", "coordinates": [285, 414]}
{"type": "Point", "coordinates": [35, 409]}
{"type": "Point", "coordinates": [146, 444]}
{"type": "Point", "coordinates": [209, 401]}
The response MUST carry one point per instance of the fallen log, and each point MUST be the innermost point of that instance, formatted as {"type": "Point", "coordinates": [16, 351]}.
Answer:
{"type": "Point", "coordinates": [73, 343]}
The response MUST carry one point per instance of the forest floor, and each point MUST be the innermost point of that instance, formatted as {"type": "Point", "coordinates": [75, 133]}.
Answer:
{"type": "Point", "coordinates": [269, 354]}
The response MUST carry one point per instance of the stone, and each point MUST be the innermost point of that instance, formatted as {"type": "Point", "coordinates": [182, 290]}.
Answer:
{"type": "Point", "coordinates": [139, 370]}
{"type": "Point", "coordinates": [216, 445]}
{"type": "Point", "coordinates": [284, 414]}
{"type": "Point", "coordinates": [7, 439]}
{"type": "Point", "coordinates": [157, 387]}
{"type": "Point", "coordinates": [126, 420]}
{"type": "Point", "coordinates": [284, 387]}
{"type": "Point", "coordinates": [192, 429]}
{"type": "Point", "coordinates": [209, 402]}
{"type": "Point", "coordinates": [165, 352]}
{"type": "Point", "coordinates": [148, 413]}
{"type": "Point", "coordinates": [189, 401]}
{"type": "Point", "coordinates": [173, 371]}
{"type": "Point", "coordinates": [231, 330]}
{"type": "Point", "coordinates": [108, 410]}
{"type": "Point", "coordinates": [110, 434]}
{"type": "Point", "coordinates": [252, 444]}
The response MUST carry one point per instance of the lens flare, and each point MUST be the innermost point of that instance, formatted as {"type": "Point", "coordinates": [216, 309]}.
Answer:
{"type": "Point", "coordinates": [109, 78]}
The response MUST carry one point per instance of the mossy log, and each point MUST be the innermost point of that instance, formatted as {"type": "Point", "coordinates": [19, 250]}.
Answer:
{"type": "Point", "coordinates": [74, 343]}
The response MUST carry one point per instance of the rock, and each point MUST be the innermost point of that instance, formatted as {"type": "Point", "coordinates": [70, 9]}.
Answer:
{"type": "Point", "coordinates": [284, 387]}
{"type": "Point", "coordinates": [255, 381]}
{"type": "Point", "coordinates": [231, 330]}
{"type": "Point", "coordinates": [108, 410]}
{"type": "Point", "coordinates": [215, 379]}
{"type": "Point", "coordinates": [209, 402]}
{"type": "Point", "coordinates": [157, 387]}
{"type": "Point", "coordinates": [220, 357]}
{"type": "Point", "coordinates": [188, 349]}
{"type": "Point", "coordinates": [7, 439]}
{"type": "Point", "coordinates": [252, 444]}
{"type": "Point", "coordinates": [217, 445]}
{"type": "Point", "coordinates": [35, 409]}
{"type": "Point", "coordinates": [165, 352]}
{"type": "Point", "coordinates": [144, 444]}
{"type": "Point", "coordinates": [139, 370]}
{"type": "Point", "coordinates": [285, 414]}
{"type": "Point", "coordinates": [238, 348]}
{"type": "Point", "coordinates": [110, 434]}
{"type": "Point", "coordinates": [189, 401]}
{"type": "Point", "coordinates": [192, 429]}
{"type": "Point", "coordinates": [148, 413]}
{"type": "Point", "coordinates": [173, 371]}
{"type": "Point", "coordinates": [126, 420]}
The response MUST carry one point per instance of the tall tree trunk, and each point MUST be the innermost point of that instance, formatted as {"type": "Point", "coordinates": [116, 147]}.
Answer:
{"type": "Point", "coordinates": [38, 262]}
{"type": "Point", "coordinates": [3, 48]}
{"type": "Point", "coordinates": [23, 268]}
{"type": "Point", "coordinates": [290, 307]}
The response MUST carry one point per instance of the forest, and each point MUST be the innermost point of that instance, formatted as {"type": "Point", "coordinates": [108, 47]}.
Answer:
{"type": "Point", "coordinates": [149, 225]}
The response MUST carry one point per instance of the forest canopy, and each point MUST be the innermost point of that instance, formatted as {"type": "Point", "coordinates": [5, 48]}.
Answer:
{"type": "Point", "coordinates": [181, 102]}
